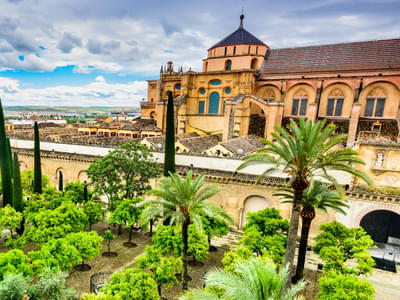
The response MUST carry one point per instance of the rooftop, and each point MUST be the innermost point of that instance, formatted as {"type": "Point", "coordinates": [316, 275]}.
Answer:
{"type": "Point", "coordinates": [355, 56]}
{"type": "Point", "coordinates": [239, 36]}
{"type": "Point", "coordinates": [201, 143]}
{"type": "Point", "coordinates": [248, 144]}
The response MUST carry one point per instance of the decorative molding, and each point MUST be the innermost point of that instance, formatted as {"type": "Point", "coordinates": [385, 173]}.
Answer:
{"type": "Point", "coordinates": [370, 208]}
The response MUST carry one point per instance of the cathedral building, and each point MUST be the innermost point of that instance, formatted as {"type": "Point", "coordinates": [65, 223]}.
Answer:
{"type": "Point", "coordinates": [246, 88]}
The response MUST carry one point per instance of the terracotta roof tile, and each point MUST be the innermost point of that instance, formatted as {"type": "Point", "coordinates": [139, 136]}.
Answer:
{"type": "Point", "coordinates": [356, 56]}
{"type": "Point", "coordinates": [248, 144]}
{"type": "Point", "coordinates": [200, 143]}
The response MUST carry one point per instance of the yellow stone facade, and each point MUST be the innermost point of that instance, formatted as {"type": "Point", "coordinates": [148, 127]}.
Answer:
{"type": "Point", "coordinates": [254, 94]}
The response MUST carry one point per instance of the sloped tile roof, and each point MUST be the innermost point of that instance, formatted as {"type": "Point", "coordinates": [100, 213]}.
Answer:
{"type": "Point", "coordinates": [356, 56]}
{"type": "Point", "coordinates": [201, 143]}
{"type": "Point", "coordinates": [239, 36]}
{"type": "Point", "coordinates": [248, 144]}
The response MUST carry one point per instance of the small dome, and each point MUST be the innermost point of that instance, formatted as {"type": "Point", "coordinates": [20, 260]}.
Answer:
{"type": "Point", "coordinates": [239, 36]}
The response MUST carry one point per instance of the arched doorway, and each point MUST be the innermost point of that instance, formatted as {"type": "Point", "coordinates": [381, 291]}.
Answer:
{"type": "Point", "coordinates": [381, 224]}
{"type": "Point", "coordinates": [252, 204]}
{"type": "Point", "coordinates": [257, 120]}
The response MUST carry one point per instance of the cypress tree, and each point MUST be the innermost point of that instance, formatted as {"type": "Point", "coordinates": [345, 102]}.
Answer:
{"type": "Point", "coordinates": [17, 200]}
{"type": "Point", "coordinates": [169, 158]}
{"type": "Point", "coordinates": [5, 163]}
{"type": "Point", "coordinates": [10, 158]}
{"type": "Point", "coordinates": [85, 192]}
{"type": "Point", "coordinates": [60, 181]}
{"type": "Point", "coordinates": [37, 170]}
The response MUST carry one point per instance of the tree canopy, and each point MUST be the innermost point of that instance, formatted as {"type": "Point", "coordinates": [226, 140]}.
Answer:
{"type": "Point", "coordinates": [10, 219]}
{"type": "Point", "coordinates": [74, 191]}
{"type": "Point", "coordinates": [124, 172]}
{"type": "Point", "coordinates": [336, 244]}
{"type": "Point", "coordinates": [14, 261]}
{"type": "Point", "coordinates": [163, 268]}
{"type": "Point", "coordinates": [56, 223]}
{"type": "Point", "coordinates": [336, 286]}
{"type": "Point", "coordinates": [130, 284]}
{"type": "Point", "coordinates": [88, 244]}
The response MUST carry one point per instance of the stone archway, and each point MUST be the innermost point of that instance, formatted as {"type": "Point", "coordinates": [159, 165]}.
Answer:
{"type": "Point", "coordinates": [371, 208]}
{"type": "Point", "coordinates": [82, 176]}
{"type": "Point", "coordinates": [252, 204]}
{"type": "Point", "coordinates": [238, 112]}
{"type": "Point", "coordinates": [381, 225]}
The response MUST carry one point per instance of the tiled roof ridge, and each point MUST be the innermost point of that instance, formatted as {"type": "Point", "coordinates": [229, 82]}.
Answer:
{"type": "Point", "coordinates": [335, 44]}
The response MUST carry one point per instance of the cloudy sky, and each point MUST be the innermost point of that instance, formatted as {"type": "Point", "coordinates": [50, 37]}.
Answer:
{"type": "Point", "coordinates": [100, 52]}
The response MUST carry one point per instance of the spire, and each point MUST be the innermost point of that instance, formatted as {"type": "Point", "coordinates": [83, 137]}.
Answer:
{"type": "Point", "coordinates": [241, 20]}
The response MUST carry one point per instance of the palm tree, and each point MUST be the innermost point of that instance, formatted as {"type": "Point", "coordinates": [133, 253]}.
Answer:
{"type": "Point", "coordinates": [183, 202]}
{"type": "Point", "coordinates": [255, 279]}
{"type": "Point", "coordinates": [316, 196]}
{"type": "Point", "coordinates": [303, 151]}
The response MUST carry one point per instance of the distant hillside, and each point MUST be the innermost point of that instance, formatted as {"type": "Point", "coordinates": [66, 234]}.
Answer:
{"type": "Point", "coordinates": [72, 109]}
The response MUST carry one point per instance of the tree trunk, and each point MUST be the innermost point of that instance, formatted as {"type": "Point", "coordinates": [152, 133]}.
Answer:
{"type": "Point", "coordinates": [293, 227]}
{"type": "Point", "coordinates": [307, 215]}
{"type": "Point", "coordinates": [90, 227]}
{"type": "Point", "coordinates": [159, 290]}
{"type": "Point", "coordinates": [119, 230]}
{"type": "Point", "coordinates": [151, 227]}
{"type": "Point", "coordinates": [130, 235]}
{"type": "Point", "coordinates": [185, 226]}
{"type": "Point", "coordinates": [108, 244]}
{"type": "Point", "coordinates": [11, 233]}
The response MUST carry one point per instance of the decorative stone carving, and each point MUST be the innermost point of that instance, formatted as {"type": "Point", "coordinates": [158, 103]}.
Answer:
{"type": "Point", "coordinates": [336, 93]}
{"type": "Point", "coordinates": [377, 92]}
{"type": "Point", "coordinates": [379, 159]}
{"type": "Point", "coordinates": [301, 93]}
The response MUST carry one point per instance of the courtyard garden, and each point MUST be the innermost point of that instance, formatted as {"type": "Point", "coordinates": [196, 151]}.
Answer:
{"type": "Point", "coordinates": [165, 241]}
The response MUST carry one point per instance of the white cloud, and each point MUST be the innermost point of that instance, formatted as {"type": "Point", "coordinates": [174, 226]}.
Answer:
{"type": "Point", "coordinates": [98, 92]}
{"type": "Point", "coordinates": [136, 37]}
{"type": "Point", "coordinates": [100, 78]}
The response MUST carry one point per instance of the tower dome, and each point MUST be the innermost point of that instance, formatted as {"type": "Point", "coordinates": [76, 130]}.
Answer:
{"type": "Point", "coordinates": [239, 50]}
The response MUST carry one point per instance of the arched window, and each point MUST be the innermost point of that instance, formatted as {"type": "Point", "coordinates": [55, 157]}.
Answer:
{"type": "Point", "coordinates": [234, 50]}
{"type": "Point", "coordinates": [335, 103]}
{"type": "Point", "coordinates": [228, 65]}
{"type": "Point", "coordinates": [375, 103]}
{"type": "Point", "coordinates": [299, 105]}
{"type": "Point", "coordinates": [226, 50]}
{"type": "Point", "coordinates": [253, 64]}
{"type": "Point", "coordinates": [178, 86]}
{"type": "Point", "coordinates": [213, 103]}
{"type": "Point", "coordinates": [257, 50]}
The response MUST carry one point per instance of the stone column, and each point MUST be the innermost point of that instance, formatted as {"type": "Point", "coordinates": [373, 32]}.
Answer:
{"type": "Point", "coordinates": [312, 112]}
{"type": "Point", "coordinates": [273, 117]}
{"type": "Point", "coordinates": [355, 115]}
{"type": "Point", "coordinates": [229, 117]}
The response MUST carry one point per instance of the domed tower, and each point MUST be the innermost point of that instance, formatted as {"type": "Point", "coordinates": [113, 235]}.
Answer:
{"type": "Point", "coordinates": [239, 50]}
